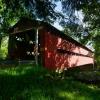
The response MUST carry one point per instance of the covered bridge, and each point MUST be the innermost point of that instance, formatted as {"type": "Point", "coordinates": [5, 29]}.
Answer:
{"type": "Point", "coordinates": [43, 43]}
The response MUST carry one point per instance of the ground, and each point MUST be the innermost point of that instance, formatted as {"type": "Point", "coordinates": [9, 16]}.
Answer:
{"type": "Point", "coordinates": [34, 83]}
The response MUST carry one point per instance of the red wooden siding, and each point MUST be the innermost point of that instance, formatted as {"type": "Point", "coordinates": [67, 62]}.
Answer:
{"type": "Point", "coordinates": [60, 53]}
{"type": "Point", "coordinates": [56, 50]}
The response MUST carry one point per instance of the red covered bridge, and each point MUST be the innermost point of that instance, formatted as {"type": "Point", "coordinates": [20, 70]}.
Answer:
{"type": "Point", "coordinates": [39, 41]}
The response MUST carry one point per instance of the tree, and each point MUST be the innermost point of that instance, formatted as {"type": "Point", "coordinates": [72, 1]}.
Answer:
{"type": "Point", "coordinates": [74, 30]}
{"type": "Point", "coordinates": [92, 18]}
{"type": "Point", "coordinates": [35, 9]}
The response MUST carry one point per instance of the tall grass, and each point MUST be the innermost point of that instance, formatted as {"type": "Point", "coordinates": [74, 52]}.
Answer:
{"type": "Point", "coordinates": [33, 83]}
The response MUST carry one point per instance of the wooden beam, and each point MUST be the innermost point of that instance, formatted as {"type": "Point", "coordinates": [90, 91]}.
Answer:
{"type": "Point", "coordinates": [36, 47]}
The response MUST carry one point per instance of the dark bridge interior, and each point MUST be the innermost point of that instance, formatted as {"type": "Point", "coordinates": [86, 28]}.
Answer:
{"type": "Point", "coordinates": [24, 45]}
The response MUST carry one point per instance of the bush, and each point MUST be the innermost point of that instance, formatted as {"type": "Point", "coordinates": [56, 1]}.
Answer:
{"type": "Point", "coordinates": [4, 48]}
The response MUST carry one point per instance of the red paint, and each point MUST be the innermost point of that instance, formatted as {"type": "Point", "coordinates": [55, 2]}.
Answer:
{"type": "Point", "coordinates": [53, 59]}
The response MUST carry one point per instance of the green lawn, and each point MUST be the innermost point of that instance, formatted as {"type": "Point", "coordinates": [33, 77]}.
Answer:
{"type": "Point", "coordinates": [30, 83]}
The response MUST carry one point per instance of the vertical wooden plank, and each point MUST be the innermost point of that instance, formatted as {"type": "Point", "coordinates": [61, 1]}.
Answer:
{"type": "Point", "coordinates": [36, 47]}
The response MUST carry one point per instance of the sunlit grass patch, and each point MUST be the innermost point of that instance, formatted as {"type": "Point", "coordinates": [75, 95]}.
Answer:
{"type": "Point", "coordinates": [72, 96]}
{"type": "Point", "coordinates": [14, 70]}
{"type": "Point", "coordinates": [21, 70]}
{"type": "Point", "coordinates": [93, 87]}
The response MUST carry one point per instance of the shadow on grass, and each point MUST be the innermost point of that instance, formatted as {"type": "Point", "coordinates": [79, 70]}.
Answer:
{"type": "Point", "coordinates": [29, 84]}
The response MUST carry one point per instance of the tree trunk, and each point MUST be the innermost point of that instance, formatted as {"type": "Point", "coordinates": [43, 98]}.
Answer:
{"type": "Point", "coordinates": [0, 40]}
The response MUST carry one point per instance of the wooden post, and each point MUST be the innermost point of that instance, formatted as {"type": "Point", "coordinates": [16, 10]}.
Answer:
{"type": "Point", "coordinates": [93, 62]}
{"type": "Point", "coordinates": [36, 47]}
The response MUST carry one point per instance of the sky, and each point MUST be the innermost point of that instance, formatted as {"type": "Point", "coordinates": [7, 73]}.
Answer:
{"type": "Point", "coordinates": [58, 9]}
{"type": "Point", "coordinates": [77, 13]}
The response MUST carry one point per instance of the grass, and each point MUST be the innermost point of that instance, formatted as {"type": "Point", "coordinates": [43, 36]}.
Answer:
{"type": "Point", "coordinates": [26, 82]}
